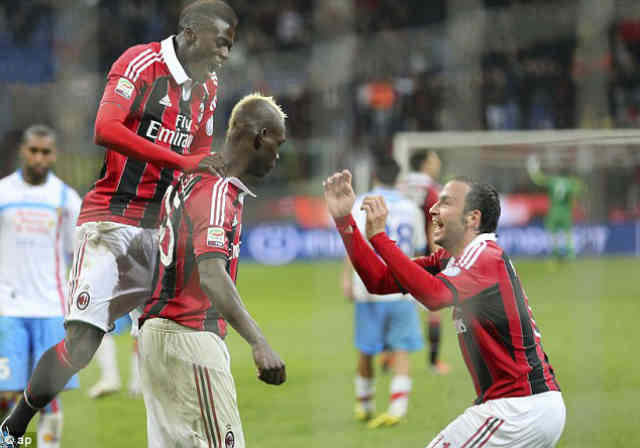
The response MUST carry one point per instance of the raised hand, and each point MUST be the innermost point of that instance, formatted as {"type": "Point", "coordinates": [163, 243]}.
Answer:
{"type": "Point", "coordinates": [339, 194]}
{"type": "Point", "coordinates": [377, 212]}
{"type": "Point", "coordinates": [271, 368]}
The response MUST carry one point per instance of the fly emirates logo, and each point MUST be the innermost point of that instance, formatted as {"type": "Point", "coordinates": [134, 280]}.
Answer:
{"type": "Point", "coordinates": [180, 137]}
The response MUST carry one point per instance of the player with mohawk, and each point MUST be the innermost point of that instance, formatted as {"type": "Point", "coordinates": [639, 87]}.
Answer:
{"type": "Point", "coordinates": [184, 358]}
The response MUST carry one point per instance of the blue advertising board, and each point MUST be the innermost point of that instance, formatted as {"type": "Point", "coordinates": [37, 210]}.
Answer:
{"type": "Point", "coordinates": [282, 243]}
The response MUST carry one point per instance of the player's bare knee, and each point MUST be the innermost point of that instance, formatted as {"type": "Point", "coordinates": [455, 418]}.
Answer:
{"type": "Point", "coordinates": [82, 341]}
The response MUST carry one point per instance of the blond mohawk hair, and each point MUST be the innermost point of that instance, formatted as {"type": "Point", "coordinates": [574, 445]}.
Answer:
{"type": "Point", "coordinates": [251, 98]}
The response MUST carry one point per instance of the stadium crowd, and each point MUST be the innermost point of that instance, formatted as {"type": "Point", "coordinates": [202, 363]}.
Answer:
{"type": "Point", "coordinates": [355, 71]}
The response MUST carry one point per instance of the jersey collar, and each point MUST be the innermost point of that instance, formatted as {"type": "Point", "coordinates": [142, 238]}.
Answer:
{"type": "Point", "coordinates": [21, 176]}
{"type": "Point", "coordinates": [176, 69]}
{"type": "Point", "coordinates": [483, 237]}
{"type": "Point", "coordinates": [238, 183]}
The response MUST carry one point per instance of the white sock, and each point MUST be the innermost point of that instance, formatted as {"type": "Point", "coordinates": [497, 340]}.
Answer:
{"type": "Point", "coordinates": [106, 357]}
{"type": "Point", "coordinates": [50, 429]}
{"type": "Point", "coordinates": [365, 393]}
{"type": "Point", "coordinates": [399, 395]}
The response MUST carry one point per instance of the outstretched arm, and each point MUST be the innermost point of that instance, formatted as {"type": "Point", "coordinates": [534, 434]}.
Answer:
{"type": "Point", "coordinates": [426, 288]}
{"type": "Point", "coordinates": [375, 274]}
{"type": "Point", "coordinates": [217, 285]}
{"type": "Point", "coordinates": [111, 132]}
{"type": "Point", "coordinates": [340, 198]}
{"type": "Point", "coordinates": [536, 175]}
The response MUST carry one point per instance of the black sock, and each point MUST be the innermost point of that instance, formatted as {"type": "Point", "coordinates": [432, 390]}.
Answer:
{"type": "Point", "coordinates": [49, 377]}
{"type": "Point", "coordinates": [20, 417]}
{"type": "Point", "coordinates": [434, 341]}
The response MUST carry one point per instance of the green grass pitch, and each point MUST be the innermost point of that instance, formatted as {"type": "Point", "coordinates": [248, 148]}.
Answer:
{"type": "Point", "coordinates": [587, 312]}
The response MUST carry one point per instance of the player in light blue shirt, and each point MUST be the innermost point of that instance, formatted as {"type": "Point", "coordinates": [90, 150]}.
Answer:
{"type": "Point", "coordinates": [386, 322]}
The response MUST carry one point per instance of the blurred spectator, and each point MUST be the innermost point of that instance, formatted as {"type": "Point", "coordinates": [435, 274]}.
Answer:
{"type": "Point", "coordinates": [385, 68]}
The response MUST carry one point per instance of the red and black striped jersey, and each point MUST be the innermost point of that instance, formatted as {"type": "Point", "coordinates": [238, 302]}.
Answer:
{"type": "Point", "coordinates": [498, 336]}
{"type": "Point", "coordinates": [201, 218]}
{"type": "Point", "coordinates": [165, 107]}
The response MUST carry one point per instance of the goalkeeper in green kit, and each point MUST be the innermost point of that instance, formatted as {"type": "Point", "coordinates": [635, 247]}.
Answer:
{"type": "Point", "coordinates": [562, 191]}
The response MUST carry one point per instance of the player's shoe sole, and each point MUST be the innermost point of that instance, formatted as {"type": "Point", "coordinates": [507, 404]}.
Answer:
{"type": "Point", "coordinates": [384, 421]}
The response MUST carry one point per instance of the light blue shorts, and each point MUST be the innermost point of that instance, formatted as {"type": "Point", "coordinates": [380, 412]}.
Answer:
{"type": "Point", "coordinates": [122, 324]}
{"type": "Point", "coordinates": [393, 325]}
{"type": "Point", "coordinates": [23, 340]}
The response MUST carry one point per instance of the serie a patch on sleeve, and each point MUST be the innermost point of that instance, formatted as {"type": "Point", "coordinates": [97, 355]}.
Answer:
{"type": "Point", "coordinates": [215, 237]}
{"type": "Point", "coordinates": [124, 88]}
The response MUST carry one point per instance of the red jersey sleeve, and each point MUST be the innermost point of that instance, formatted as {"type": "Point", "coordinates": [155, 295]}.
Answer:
{"type": "Point", "coordinates": [413, 276]}
{"type": "Point", "coordinates": [378, 277]}
{"type": "Point", "coordinates": [211, 212]}
{"type": "Point", "coordinates": [124, 82]}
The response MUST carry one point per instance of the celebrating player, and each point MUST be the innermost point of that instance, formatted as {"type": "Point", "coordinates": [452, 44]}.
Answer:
{"type": "Point", "coordinates": [184, 358]}
{"type": "Point", "coordinates": [390, 321]}
{"type": "Point", "coordinates": [37, 223]}
{"type": "Point", "coordinates": [518, 403]}
{"type": "Point", "coordinates": [156, 120]}
{"type": "Point", "coordinates": [421, 185]}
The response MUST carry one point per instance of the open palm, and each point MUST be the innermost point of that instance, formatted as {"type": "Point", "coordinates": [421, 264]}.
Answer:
{"type": "Point", "coordinates": [339, 194]}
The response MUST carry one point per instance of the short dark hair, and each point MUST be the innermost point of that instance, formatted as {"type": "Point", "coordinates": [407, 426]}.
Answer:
{"type": "Point", "coordinates": [386, 170]}
{"type": "Point", "coordinates": [202, 11]}
{"type": "Point", "coordinates": [417, 159]}
{"type": "Point", "coordinates": [39, 130]}
{"type": "Point", "coordinates": [483, 197]}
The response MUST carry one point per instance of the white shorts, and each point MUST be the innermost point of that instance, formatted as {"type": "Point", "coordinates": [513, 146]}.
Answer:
{"type": "Point", "coordinates": [111, 273]}
{"type": "Point", "coordinates": [535, 421]}
{"type": "Point", "coordinates": [188, 389]}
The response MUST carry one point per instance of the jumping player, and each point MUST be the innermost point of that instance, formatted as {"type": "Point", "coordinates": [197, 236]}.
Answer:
{"type": "Point", "coordinates": [184, 358]}
{"type": "Point", "coordinates": [156, 121]}
{"type": "Point", "coordinates": [37, 223]}
{"type": "Point", "coordinates": [518, 403]}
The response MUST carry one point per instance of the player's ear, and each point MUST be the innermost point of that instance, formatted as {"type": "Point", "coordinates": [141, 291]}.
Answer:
{"type": "Point", "coordinates": [474, 218]}
{"type": "Point", "coordinates": [259, 138]}
{"type": "Point", "coordinates": [189, 35]}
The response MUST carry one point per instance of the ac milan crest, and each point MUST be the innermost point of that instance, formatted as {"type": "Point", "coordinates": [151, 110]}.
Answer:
{"type": "Point", "coordinates": [82, 302]}
{"type": "Point", "coordinates": [229, 440]}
